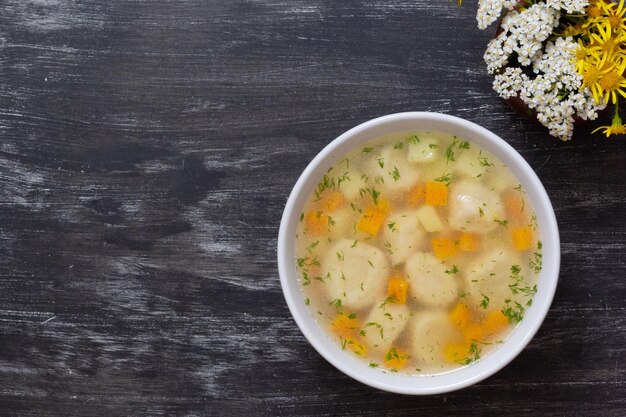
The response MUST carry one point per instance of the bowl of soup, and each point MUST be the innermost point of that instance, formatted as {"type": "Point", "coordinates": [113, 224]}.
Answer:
{"type": "Point", "coordinates": [418, 253]}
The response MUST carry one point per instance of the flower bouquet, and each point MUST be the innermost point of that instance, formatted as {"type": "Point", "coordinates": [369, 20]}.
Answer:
{"type": "Point", "coordinates": [564, 59]}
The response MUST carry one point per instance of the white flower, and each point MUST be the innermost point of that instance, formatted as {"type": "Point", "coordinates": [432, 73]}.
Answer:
{"type": "Point", "coordinates": [523, 33]}
{"type": "Point", "coordinates": [490, 10]}
{"type": "Point", "coordinates": [555, 90]}
{"type": "Point", "coordinates": [509, 83]}
{"type": "Point", "coordinates": [570, 6]}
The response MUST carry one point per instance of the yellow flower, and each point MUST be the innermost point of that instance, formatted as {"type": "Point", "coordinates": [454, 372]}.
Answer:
{"type": "Point", "coordinates": [586, 53]}
{"type": "Point", "coordinates": [596, 10]}
{"type": "Point", "coordinates": [615, 15]}
{"type": "Point", "coordinates": [602, 62]}
{"type": "Point", "coordinates": [605, 41]}
{"type": "Point", "coordinates": [593, 72]}
{"type": "Point", "coordinates": [616, 128]}
{"type": "Point", "coordinates": [613, 82]}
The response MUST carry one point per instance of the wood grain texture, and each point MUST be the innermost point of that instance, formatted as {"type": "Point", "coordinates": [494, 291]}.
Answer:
{"type": "Point", "coordinates": [147, 149]}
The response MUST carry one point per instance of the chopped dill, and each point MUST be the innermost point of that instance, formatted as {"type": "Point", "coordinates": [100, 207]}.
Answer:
{"type": "Point", "coordinates": [390, 299]}
{"type": "Point", "coordinates": [453, 270]}
{"type": "Point", "coordinates": [484, 302]}
{"type": "Point", "coordinates": [380, 160]}
{"type": "Point", "coordinates": [536, 260]}
{"type": "Point", "coordinates": [445, 178]}
{"type": "Point", "coordinates": [327, 183]}
{"type": "Point", "coordinates": [336, 302]}
{"type": "Point", "coordinates": [344, 177]}
{"type": "Point", "coordinates": [395, 174]}
{"type": "Point", "coordinates": [372, 192]}
{"type": "Point", "coordinates": [312, 246]}
{"type": "Point", "coordinates": [331, 221]}
{"type": "Point", "coordinates": [473, 354]}
{"type": "Point", "coordinates": [518, 279]}
{"type": "Point", "coordinates": [501, 222]}
{"type": "Point", "coordinates": [394, 354]}
{"type": "Point", "coordinates": [449, 153]}
{"type": "Point", "coordinates": [388, 248]}
{"type": "Point", "coordinates": [513, 311]}
{"type": "Point", "coordinates": [484, 162]}
{"type": "Point", "coordinates": [456, 143]}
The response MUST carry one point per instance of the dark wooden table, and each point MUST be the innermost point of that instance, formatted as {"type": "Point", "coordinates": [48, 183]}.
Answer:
{"type": "Point", "coordinates": [147, 149]}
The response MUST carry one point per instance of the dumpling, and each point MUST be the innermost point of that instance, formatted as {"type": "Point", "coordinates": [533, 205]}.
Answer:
{"type": "Point", "coordinates": [490, 276]}
{"type": "Point", "coordinates": [432, 330]}
{"type": "Point", "coordinates": [423, 148]}
{"type": "Point", "coordinates": [501, 178]}
{"type": "Point", "coordinates": [354, 274]}
{"type": "Point", "coordinates": [403, 235]}
{"type": "Point", "coordinates": [428, 281]}
{"type": "Point", "coordinates": [342, 223]}
{"type": "Point", "coordinates": [353, 184]}
{"type": "Point", "coordinates": [392, 167]}
{"type": "Point", "coordinates": [473, 207]}
{"type": "Point", "coordinates": [384, 324]}
{"type": "Point", "coordinates": [472, 163]}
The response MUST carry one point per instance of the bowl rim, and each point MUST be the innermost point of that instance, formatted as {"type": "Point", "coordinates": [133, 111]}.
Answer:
{"type": "Point", "coordinates": [495, 359]}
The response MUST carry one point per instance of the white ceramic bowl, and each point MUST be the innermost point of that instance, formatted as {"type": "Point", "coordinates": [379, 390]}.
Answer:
{"type": "Point", "coordinates": [396, 382]}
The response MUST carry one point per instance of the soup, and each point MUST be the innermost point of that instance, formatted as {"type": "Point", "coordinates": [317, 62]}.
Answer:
{"type": "Point", "coordinates": [418, 252]}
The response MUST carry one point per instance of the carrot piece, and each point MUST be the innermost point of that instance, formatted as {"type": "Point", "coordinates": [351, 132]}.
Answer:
{"type": "Point", "coordinates": [494, 322]}
{"type": "Point", "coordinates": [522, 238]}
{"type": "Point", "coordinates": [416, 195]}
{"type": "Point", "coordinates": [460, 316]}
{"type": "Point", "coordinates": [443, 248]}
{"type": "Point", "coordinates": [436, 193]}
{"type": "Point", "coordinates": [345, 325]}
{"type": "Point", "coordinates": [373, 218]}
{"type": "Point", "coordinates": [455, 352]}
{"type": "Point", "coordinates": [397, 287]}
{"type": "Point", "coordinates": [371, 221]}
{"type": "Point", "coordinates": [469, 242]}
{"type": "Point", "coordinates": [514, 207]}
{"type": "Point", "coordinates": [384, 205]}
{"type": "Point", "coordinates": [332, 201]}
{"type": "Point", "coordinates": [316, 222]}
{"type": "Point", "coordinates": [473, 331]}
{"type": "Point", "coordinates": [396, 359]}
